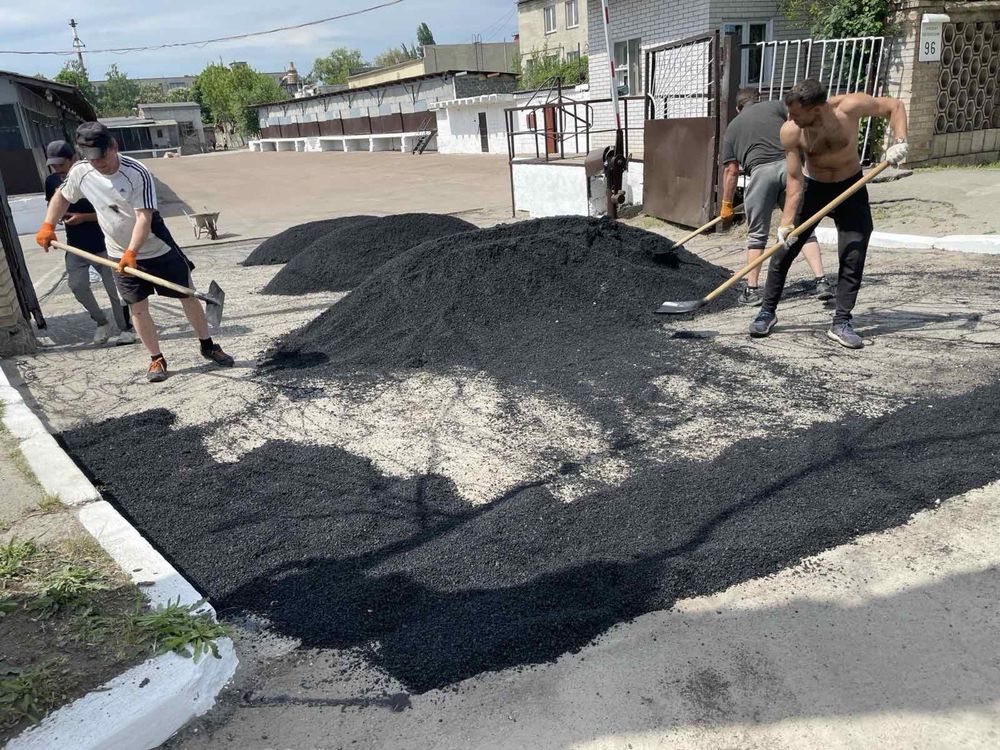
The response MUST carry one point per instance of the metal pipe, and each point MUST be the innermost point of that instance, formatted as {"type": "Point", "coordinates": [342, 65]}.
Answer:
{"type": "Point", "coordinates": [798, 57]}
{"type": "Point", "coordinates": [606, 15]}
{"type": "Point", "coordinates": [774, 59]}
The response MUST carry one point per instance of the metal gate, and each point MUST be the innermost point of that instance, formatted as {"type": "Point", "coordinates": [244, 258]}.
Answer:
{"type": "Point", "coordinates": [846, 66]}
{"type": "Point", "coordinates": [691, 88]}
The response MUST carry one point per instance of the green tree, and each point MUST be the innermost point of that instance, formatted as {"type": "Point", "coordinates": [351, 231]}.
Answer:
{"type": "Point", "coordinates": [335, 67]}
{"type": "Point", "coordinates": [118, 96]}
{"type": "Point", "coordinates": [542, 70]}
{"type": "Point", "coordinates": [395, 55]}
{"type": "Point", "coordinates": [832, 19]}
{"type": "Point", "coordinates": [150, 93]}
{"type": "Point", "coordinates": [228, 94]}
{"type": "Point", "coordinates": [72, 74]}
{"type": "Point", "coordinates": [424, 37]}
{"type": "Point", "coordinates": [183, 94]}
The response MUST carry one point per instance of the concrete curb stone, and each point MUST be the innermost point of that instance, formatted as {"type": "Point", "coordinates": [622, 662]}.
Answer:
{"type": "Point", "coordinates": [987, 244]}
{"type": "Point", "coordinates": [148, 703]}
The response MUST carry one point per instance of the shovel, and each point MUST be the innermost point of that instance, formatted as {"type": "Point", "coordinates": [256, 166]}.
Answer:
{"type": "Point", "coordinates": [214, 299]}
{"type": "Point", "coordinates": [678, 308]}
{"type": "Point", "coordinates": [671, 246]}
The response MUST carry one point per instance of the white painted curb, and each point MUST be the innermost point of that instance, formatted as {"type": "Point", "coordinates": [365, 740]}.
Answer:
{"type": "Point", "coordinates": [988, 244]}
{"type": "Point", "coordinates": [145, 706]}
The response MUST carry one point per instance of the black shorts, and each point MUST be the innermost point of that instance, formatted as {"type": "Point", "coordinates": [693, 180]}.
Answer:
{"type": "Point", "coordinates": [172, 266]}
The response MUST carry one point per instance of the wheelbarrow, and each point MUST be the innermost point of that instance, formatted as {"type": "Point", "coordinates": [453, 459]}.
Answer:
{"type": "Point", "coordinates": [204, 223]}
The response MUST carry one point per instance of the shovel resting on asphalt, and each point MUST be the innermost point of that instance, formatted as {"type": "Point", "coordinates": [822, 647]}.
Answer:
{"type": "Point", "coordinates": [678, 308]}
{"type": "Point", "coordinates": [670, 246]}
{"type": "Point", "coordinates": [214, 299]}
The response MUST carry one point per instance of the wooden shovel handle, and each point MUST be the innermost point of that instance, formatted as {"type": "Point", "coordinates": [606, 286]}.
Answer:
{"type": "Point", "coordinates": [801, 229]}
{"type": "Point", "coordinates": [699, 230]}
{"type": "Point", "coordinates": [130, 271]}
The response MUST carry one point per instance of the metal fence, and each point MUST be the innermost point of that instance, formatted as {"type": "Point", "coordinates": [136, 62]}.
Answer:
{"type": "Point", "coordinates": [845, 66]}
{"type": "Point", "coordinates": [680, 79]}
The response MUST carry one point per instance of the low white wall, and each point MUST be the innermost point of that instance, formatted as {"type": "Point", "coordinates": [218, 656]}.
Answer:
{"type": "Point", "coordinates": [550, 189]}
{"type": "Point", "coordinates": [458, 129]}
{"type": "Point", "coordinates": [28, 212]}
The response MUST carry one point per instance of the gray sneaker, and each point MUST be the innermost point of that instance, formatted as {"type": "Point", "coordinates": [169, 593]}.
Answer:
{"type": "Point", "coordinates": [763, 324]}
{"type": "Point", "coordinates": [844, 335]}
{"type": "Point", "coordinates": [824, 289]}
{"type": "Point", "coordinates": [750, 297]}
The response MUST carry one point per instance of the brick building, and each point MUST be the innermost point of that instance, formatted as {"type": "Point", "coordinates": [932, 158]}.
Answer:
{"type": "Point", "coordinates": [552, 28]}
{"type": "Point", "coordinates": [954, 102]}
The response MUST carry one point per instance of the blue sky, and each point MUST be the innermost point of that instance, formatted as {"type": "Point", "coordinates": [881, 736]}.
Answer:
{"type": "Point", "coordinates": [119, 23]}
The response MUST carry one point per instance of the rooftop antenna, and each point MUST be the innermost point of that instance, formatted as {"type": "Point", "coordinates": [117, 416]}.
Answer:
{"type": "Point", "coordinates": [78, 46]}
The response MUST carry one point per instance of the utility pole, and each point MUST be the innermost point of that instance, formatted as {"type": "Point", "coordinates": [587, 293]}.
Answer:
{"type": "Point", "coordinates": [78, 46]}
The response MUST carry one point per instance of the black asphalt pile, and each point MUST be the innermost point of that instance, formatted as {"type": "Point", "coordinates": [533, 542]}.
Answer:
{"type": "Point", "coordinates": [335, 553]}
{"type": "Point", "coordinates": [282, 247]}
{"type": "Point", "coordinates": [340, 260]}
{"type": "Point", "coordinates": [566, 302]}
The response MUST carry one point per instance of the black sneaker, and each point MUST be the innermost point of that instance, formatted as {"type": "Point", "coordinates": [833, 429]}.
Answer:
{"type": "Point", "coordinates": [157, 371]}
{"type": "Point", "coordinates": [218, 356]}
{"type": "Point", "coordinates": [763, 324]}
{"type": "Point", "coordinates": [750, 296]}
{"type": "Point", "coordinates": [844, 335]}
{"type": "Point", "coordinates": [824, 289]}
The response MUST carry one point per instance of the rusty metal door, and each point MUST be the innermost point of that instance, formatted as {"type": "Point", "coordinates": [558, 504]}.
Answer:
{"type": "Point", "coordinates": [682, 130]}
{"type": "Point", "coordinates": [551, 132]}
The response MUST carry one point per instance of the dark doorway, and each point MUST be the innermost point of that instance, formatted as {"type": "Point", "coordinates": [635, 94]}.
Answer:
{"type": "Point", "coordinates": [551, 132]}
{"type": "Point", "coordinates": [484, 136]}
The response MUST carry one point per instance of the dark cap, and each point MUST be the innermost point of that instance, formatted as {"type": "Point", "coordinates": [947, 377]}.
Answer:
{"type": "Point", "coordinates": [57, 152]}
{"type": "Point", "coordinates": [93, 139]}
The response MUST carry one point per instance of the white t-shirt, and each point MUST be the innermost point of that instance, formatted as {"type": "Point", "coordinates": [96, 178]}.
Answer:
{"type": "Point", "coordinates": [115, 198]}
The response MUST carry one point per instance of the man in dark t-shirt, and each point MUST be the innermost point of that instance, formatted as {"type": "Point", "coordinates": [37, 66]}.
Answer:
{"type": "Point", "coordinates": [753, 140]}
{"type": "Point", "coordinates": [83, 232]}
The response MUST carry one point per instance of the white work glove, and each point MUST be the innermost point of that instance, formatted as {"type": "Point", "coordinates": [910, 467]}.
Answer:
{"type": "Point", "coordinates": [783, 233]}
{"type": "Point", "coordinates": [896, 154]}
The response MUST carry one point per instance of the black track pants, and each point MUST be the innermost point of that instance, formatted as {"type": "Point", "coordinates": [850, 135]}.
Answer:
{"type": "Point", "coordinates": [853, 218]}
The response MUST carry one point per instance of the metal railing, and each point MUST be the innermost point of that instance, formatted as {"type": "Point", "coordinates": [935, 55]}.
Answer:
{"type": "Point", "coordinates": [845, 66]}
{"type": "Point", "coordinates": [570, 121]}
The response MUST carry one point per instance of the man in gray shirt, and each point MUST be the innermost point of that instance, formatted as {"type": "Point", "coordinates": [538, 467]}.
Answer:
{"type": "Point", "coordinates": [753, 140]}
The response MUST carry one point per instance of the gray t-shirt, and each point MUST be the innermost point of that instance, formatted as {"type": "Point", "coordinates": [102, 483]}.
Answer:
{"type": "Point", "coordinates": [753, 137]}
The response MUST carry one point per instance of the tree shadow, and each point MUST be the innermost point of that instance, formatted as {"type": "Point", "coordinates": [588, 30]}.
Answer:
{"type": "Point", "coordinates": [337, 554]}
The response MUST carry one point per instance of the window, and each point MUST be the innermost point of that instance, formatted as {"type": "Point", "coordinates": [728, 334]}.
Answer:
{"type": "Point", "coordinates": [627, 73]}
{"type": "Point", "coordinates": [572, 55]}
{"type": "Point", "coordinates": [549, 17]}
{"type": "Point", "coordinates": [749, 34]}
{"type": "Point", "coordinates": [572, 14]}
{"type": "Point", "coordinates": [159, 133]}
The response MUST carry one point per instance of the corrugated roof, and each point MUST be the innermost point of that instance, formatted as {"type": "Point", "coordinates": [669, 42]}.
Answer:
{"type": "Point", "coordinates": [69, 94]}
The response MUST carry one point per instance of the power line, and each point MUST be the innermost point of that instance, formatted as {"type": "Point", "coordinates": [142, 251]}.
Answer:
{"type": "Point", "coordinates": [204, 42]}
{"type": "Point", "coordinates": [490, 31]}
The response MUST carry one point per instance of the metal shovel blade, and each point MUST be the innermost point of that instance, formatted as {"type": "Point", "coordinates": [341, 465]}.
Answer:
{"type": "Point", "coordinates": [679, 308]}
{"type": "Point", "coordinates": [214, 301]}
{"type": "Point", "coordinates": [666, 248]}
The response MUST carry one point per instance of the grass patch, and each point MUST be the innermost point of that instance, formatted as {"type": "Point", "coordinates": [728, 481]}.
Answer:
{"type": "Point", "coordinates": [69, 589]}
{"type": "Point", "coordinates": [14, 557]}
{"type": "Point", "coordinates": [28, 693]}
{"type": "Point", "coordinates": [50, 504]}
{"type": "Point", "coordinates": [175, 627]}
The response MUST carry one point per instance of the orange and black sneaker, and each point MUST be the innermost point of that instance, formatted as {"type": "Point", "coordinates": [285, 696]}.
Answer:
{"type": "Point", "coordinates": [214, 352]}
{"type": "Point", "coordinates": [157, 371]}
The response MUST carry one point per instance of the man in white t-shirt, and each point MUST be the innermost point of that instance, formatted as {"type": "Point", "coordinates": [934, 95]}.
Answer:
{"type": "Point", "coordinates": [123, 194]}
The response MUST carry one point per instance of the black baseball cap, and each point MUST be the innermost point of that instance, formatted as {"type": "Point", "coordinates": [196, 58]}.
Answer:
{"type": "Point", "coordinates": [57, 152]}
{"type": "Point", "coordinates": [93, 139]}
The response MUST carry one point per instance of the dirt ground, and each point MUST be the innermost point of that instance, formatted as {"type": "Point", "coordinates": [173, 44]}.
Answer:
{"type": "Point", "coordinates": [887, 641]}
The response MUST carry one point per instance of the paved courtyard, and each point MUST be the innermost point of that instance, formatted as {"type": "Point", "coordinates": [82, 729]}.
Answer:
{"type": "Point", "coordinates": [887, 641]}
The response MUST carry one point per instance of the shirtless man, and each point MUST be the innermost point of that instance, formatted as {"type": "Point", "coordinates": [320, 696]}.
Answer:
{"type": "Point", "coordinates": [826, 131]}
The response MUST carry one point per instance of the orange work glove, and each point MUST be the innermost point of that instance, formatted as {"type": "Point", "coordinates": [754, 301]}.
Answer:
{"type": "Point", "coordinates": [46, 235]}
{"type": "Point", "coordinates": [727, 210]}
{"type": "Point", "coordinates": [127, 261]}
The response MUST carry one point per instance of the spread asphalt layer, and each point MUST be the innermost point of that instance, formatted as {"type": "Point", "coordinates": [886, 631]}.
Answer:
{"type": "Point", "coordinates": [284, 246]}
{"type": "Point", "coordinates": [434, 587]}
{"type": "Point", "coordinates": [343, 258]}
{"type": "Point", "coordinates": [435, 590]}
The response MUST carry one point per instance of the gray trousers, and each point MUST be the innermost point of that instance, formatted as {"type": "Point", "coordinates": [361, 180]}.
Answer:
{"type": "Point", "coordinates": [765, 191]}
{"type": "Point", "coordinates": [78, 278]}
